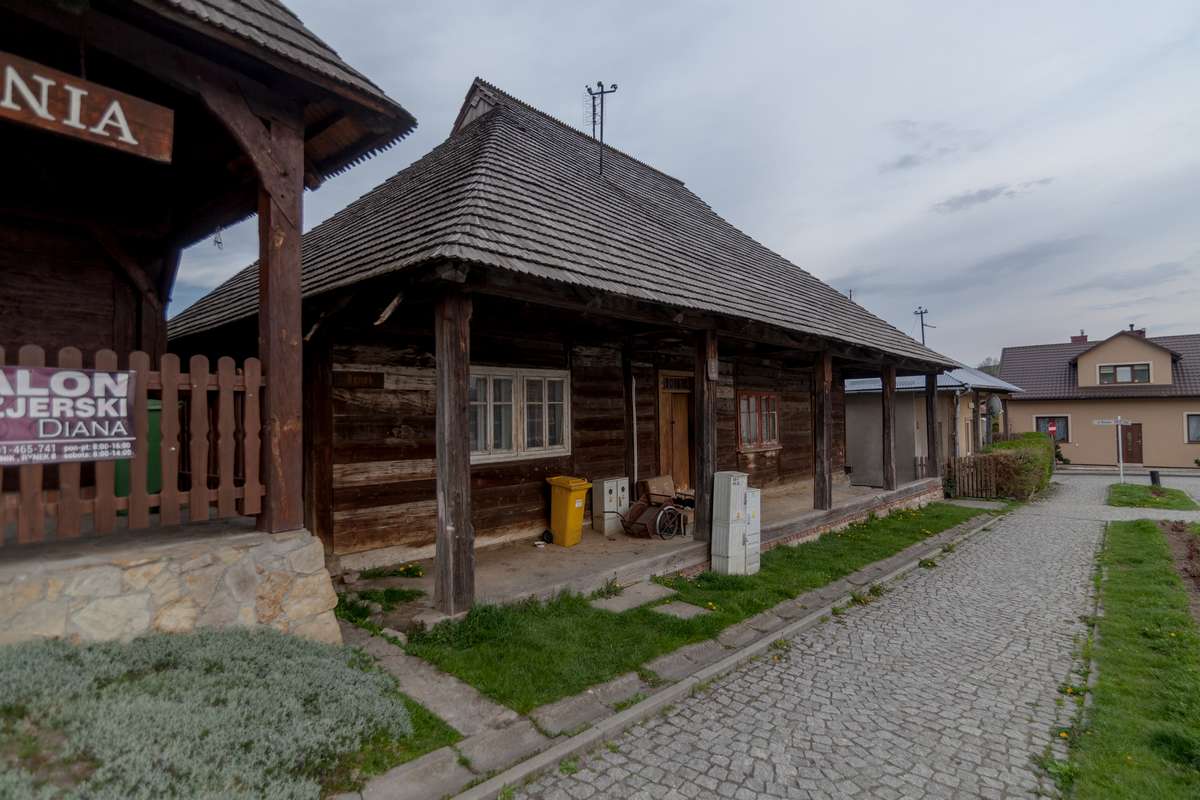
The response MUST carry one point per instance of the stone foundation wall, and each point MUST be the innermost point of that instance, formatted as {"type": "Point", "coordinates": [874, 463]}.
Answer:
{"type": "Point", "coordinates": [128, 585]}
{"type": "Point", "coordinates": [922, 495]}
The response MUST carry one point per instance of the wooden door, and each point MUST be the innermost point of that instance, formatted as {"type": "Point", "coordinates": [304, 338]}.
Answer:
{"type": "Point", "coordinates": [675, 427]}
{"type": "Point", "coordinates": [1131, 443]}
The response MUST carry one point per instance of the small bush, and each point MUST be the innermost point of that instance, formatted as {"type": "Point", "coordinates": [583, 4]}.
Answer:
{"type": "Point", "coordinates": [233, 714]}
{"type": "Point", "coordinates": [1024, 465]}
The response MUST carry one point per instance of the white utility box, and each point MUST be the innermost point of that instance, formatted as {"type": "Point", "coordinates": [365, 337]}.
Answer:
{"type": "Point", "coordinates": [609, 495]}
{"type": "Point", "coordinates": [753, 530]}
{"type": "Point", "coordinates": [730, 522]}
{"type": "Point", "coordinates": [729, 497]}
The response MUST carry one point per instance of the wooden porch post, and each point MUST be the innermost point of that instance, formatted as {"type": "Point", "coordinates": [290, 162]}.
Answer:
{"type": "Point", "coordinates": [705, 398]}
{"type": "Point", "coordinates": [889, 427]}
{"type": "Point", "coordinates": [630, 420]}
{"type": "Point", "coordinates": [454, 581]}
{"type": "Point", "coordinates": [823, 432]}
{"type": "Point", "coordinates": [976, 431]}
{"type": "Point", "coordinates": [933, 460]}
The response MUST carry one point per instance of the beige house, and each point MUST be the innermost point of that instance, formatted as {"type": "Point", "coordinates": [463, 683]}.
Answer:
{"type": "Point", "coordinates": [1152, 381]}
{"type": "Point", "coordinates": [965, 413]}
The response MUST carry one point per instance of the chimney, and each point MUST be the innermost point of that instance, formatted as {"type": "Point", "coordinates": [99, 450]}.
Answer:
{"type": "Point", "coordinates": [1080, 339]}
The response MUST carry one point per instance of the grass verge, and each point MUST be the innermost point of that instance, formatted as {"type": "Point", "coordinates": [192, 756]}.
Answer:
{"type": "Point", "coordinates": [1142, 734]}
{"type": "Point", "coordinates": [1137, 495]}
{"type": "Point", "coordinates": [531, 653]}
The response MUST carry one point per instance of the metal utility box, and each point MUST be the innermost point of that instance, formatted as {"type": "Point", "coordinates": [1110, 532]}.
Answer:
{"type": "Point", "coordinates": [729, 497]}
{"type": "Point", "coordinates": [609, 495]}
{"type": "Point", "coordinates": [753, 530]}
{"type": "Point", "coordinates": [730, 522]}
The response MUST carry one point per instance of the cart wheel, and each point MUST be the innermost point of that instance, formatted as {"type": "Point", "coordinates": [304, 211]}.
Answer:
{"type": "Point", "coordinates": [668, 522]}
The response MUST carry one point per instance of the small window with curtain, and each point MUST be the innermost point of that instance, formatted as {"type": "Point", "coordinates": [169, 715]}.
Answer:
{"type": "Point", "coordinates": [516, 413]}
{"type": "Point", "coordinates": [1124, 373]}
{"type": "Point", "coordinates": [758, 420]}
{"type": "Point", "coordinates": [1058, 427]}
{"type": "Point", "coordinates": [1193, 428]}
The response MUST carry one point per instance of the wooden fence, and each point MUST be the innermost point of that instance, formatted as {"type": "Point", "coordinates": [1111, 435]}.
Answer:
{"type": "Point", "coordinates": [971, 476]}
{"type": "Point", "coordinates": [211, 425]}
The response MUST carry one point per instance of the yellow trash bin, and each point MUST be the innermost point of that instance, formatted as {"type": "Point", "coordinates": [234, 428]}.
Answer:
{"type": "Point", "coordinates": [567, 496]}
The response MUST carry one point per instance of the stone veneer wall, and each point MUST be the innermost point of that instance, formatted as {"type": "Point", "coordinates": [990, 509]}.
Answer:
{"type": "Point", "coordinates": [127, 585]}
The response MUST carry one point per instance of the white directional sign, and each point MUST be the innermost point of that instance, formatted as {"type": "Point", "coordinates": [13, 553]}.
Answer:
{"type": "Point", "coordinates": [1118, 422]}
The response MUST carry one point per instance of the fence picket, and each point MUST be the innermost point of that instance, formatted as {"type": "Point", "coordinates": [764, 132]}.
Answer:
{"type": "Point", "coordinates": [105, 513]}
{"type": "Point", "coordinates": [139, 498]}
{"type": "Point", "coordinates": [70, 512]}
{"type": "Point", "coordinates": [198, 446]}
{"type": "Point", "coordinates": [224, 438]}
{"type": "Point", "coordinates": [3, 504]}
{"type": "Point", "coordinates": [252, 442]}
{"type": "Point", "coordinates": [31, 521]}
{"type": "Point", "coordinates": [168, 495]}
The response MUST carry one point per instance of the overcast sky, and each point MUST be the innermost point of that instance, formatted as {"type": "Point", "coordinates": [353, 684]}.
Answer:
{"type": "Point", "coordinates": [1023, 171]}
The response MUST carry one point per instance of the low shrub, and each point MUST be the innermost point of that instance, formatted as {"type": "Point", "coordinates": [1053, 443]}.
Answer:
{"type": "Point", "coordinates": [1024, 464]}
{"type": "Point", "coordinates": [233, 714]}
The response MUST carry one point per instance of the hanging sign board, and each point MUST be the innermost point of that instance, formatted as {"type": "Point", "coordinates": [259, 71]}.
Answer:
{"type": "Point", "coordinates": [51, 416]}
{"type": "Point", "coordinates": [56, 101]}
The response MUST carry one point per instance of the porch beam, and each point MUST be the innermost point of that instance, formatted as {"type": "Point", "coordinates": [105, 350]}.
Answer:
{"type": "Point", "coordinates": [454, 564]}
{"type": "Point", "coordinates": [704, 395]}
{"type": "Point", "coordinates": [823, 432]}
{"type": "Point", "coordinates": [888, 403]}
{"type": "Point", "coordinates": [933, 461]}
{"type": "Point", "coordinates": [976, 429]}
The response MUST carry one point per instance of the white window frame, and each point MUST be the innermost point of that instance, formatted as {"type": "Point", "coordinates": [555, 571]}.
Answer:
{"type": "Point", "coordinates": [1070, 425]}
{"type": "Point", "coordinates": [1130, 364]}
{"type": "Point", "coordinates": [1187, 414]}
{"type": "Point", "coordinates": [520, 452]}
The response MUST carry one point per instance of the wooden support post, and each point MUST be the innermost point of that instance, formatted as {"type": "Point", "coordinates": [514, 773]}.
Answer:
{"type": "Point", "coordinates": [889, 427]}
{"type": "Point", "coordinates": [318, 440]}
{"type": "Point", "coordinates": [704, 395]}
{"type": "Point", "coordinates": [823, 432]}
{"type": "Point", "coordinates": [454, 581]}
{"type": "Point", "coordinates": [976, 431]}
{"type": "Point", "coordinates": [631, 453]}
{"type": "Point", "coordinates": [933, 460]}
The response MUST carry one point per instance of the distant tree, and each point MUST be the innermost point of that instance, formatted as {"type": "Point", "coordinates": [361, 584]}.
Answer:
{"type": "Point", "coordinates": [990, 365]}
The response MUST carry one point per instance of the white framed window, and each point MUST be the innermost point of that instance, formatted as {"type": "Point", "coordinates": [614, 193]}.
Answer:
{"type": "Point", "coordinates": [1191, 427]}
{"type": "Point", "coordinates": [1123, 373]}
{"type": "Point", "coordinates": [518, 413]}
{"type": "Point", "coordinates": [1057, 426]}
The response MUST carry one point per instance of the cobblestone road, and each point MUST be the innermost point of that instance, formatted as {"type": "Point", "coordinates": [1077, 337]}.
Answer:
{"type": "Point", "coordinates": [945, 687]}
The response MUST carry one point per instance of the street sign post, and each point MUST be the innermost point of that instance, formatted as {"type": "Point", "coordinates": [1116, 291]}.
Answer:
{"type": "Point", "coordinates": [1117, 423]}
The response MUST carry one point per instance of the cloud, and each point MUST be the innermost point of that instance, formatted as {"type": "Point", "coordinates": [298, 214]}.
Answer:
{"type": "Point", "coordinates": [968, 200]}
{"type": "Point", "coordinates": [1121, 280]}
{"type": "Point", "coordinates": [928, 142]}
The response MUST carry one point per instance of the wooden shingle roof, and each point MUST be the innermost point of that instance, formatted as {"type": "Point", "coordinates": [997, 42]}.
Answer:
{"type": "Point", "coordinates": [514, 189]}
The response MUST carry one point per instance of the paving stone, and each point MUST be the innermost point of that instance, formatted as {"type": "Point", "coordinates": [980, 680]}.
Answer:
{"type": "Point", "coordinates": [633, 596]}
{"type": "Point", "coordinates": [569, 714]}
{"type": "Point", "coordinates": [943, 687]}
{"type": "Point", "coordinates": [766, 622]}
{"type": "Point", "coordinates": [703, 653]}
{"type": "Point", "coordinates": [677, 608]}
{"type": "Point", "coordinates": [738, 635]}
{"type": "Point", "coordinates": [436, 774]}
{"type": "Point", "coordinates": [496, 750]}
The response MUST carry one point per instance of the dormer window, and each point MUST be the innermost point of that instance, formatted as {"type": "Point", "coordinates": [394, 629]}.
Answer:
{"type": "Point", "coordinates": [1124, 373]}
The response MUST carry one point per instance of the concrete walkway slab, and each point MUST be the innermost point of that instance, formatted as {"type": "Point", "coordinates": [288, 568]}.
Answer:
{"type": "Point", "coordinates": [498, 749]}
{"type": "Point", "coordinates": [459, 704]}
{"type": "Point", "coordinates": [569, 714]}
{"type": "Point", "coordinates": [680, 610]}
{"type": "Point", "coordinates": [988, 505]}
{"type": "Point", "coordinates": [633, 596]}
{"type": "Point", "coordinates": [619, 689]}
{"type": "Point", "coordinates": [738, 635]}
{"type": "Point", "coordinates": [435, 774]}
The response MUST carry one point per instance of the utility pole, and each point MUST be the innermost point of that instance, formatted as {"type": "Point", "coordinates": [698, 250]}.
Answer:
{"type": "Point", "coordinates": [921, 312]}
{"type": "Point", "coordinates": [600, 92]}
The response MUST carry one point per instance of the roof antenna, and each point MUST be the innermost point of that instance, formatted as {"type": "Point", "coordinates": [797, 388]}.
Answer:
{"type": "Point", "coordinates": [600, 92]}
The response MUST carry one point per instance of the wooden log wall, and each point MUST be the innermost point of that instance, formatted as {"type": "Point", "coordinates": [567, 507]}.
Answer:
{"type": "Point", "coordinates": [383, 424]}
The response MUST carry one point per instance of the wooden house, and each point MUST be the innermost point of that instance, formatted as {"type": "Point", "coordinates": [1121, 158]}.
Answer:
{"type": "Point", "coordinates": [131, 130]}
{"type": "Point", "coordinates": [502, 311]}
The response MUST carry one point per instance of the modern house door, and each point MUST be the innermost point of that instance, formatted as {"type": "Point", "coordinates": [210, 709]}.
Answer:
{"type": "Point", "coordinates": [675, 427]}
{"type": "Point", "coordinates": [1131, 443]}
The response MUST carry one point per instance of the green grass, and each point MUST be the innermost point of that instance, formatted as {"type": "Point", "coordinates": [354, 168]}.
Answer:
{"type": "Point", "coordinates": [352, 606]}
{"type": "Point", "coordinates": [532, 653]}
{"type": "Point", "coordinates": [1137, 495]}
{"type": "Point", "coordinates": [410, 570]}
{"type": "Point", "coordinates": [1142, 737]}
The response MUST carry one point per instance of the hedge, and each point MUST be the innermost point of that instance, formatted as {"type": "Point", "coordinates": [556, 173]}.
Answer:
{"type": "Point", "coordinates": [1024, 464]}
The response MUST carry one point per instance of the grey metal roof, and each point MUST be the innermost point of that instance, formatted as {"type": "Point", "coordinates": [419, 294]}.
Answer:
{"type": "Point", "coordinates": [271, 26]}
{"type": "Point", "coordinates": [518, 190]}
{"type": "Point", "coordinates": [1047, 371]}
{"type": "Point", "coordinates": [955, 379]}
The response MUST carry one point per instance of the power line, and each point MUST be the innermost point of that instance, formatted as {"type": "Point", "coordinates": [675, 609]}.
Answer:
{"type": "Point", "coordinates": [920, 313]}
